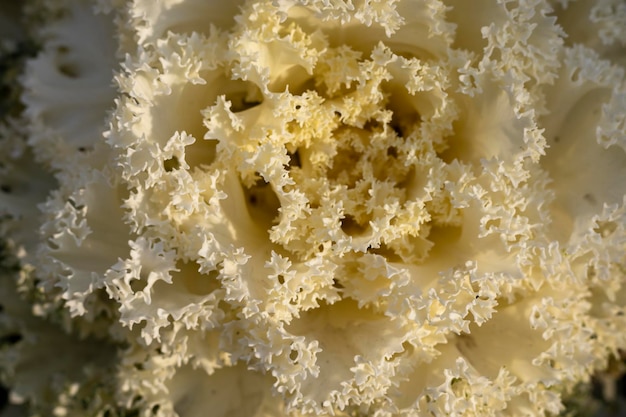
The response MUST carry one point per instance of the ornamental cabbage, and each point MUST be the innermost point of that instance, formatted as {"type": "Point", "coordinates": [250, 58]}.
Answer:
{"type": "Point", "coordinates": [311, 207]}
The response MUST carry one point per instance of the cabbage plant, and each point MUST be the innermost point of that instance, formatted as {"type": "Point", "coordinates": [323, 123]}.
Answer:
{"type": "Point", "coordinates": [310, 207]}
